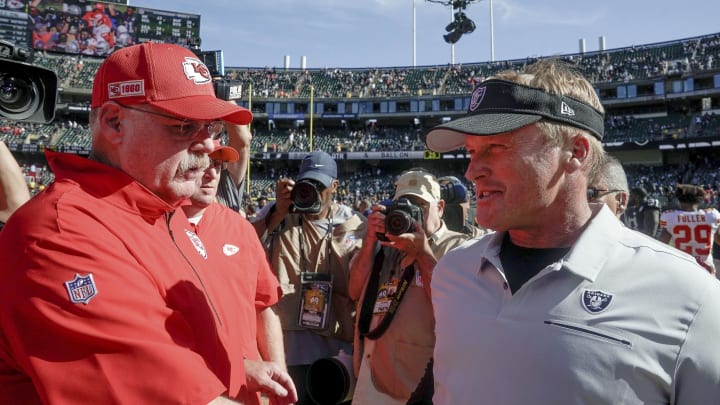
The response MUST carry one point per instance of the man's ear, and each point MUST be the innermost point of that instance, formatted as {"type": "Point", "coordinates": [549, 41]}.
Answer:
{"type": "Point", "coordinates": [580, 148]}
{"type": "Point", "coordinates": [441, 207]}
{"type": "Point", "coordinates": [109, 120]}
{"type": "Point", "coordinates": [622, 199]}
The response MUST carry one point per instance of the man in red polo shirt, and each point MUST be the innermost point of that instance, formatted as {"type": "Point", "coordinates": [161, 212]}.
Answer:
{"type": "Point", "coordinates": [232, 246]}
{"type": "Point", "coordinates": [104, 298]}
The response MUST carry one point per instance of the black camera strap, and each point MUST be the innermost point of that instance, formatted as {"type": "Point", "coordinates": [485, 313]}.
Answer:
{"type": "Point", "coordinates": [366, 312]}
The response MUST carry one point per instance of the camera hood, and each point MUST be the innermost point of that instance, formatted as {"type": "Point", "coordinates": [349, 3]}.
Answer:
{"type": "Point", "coordinates": [27, 92]}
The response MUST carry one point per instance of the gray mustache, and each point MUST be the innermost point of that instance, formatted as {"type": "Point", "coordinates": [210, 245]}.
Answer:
{"type": "Point", "coordinates": [194, 160]}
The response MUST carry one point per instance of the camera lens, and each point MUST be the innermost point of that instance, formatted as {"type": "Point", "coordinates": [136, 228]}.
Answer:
{"type": "Point", "coordinates": [27, 92]}
{"type": "Point", "coordinates": [305, 196]}
{"type": "Point", "coordinates": [398, 222]}
{"type": "Point", "coordinates": [19, 98]}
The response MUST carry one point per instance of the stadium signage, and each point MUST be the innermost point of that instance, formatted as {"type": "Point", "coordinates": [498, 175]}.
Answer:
{"type": "Point", "coordinates": [93, 28]}
{"type": "Point", "coordinates": [286, 116]}
{"type": "Point", "coordinates": [29, 147]}
{"type": "Point", "coordinates": [339, 116]}
{"type": "Point", "coordinates": [13, 26]}
{"type": "Point", "coordinates": [395, 155]}
{"type": "Point", "coordinates": [348, 155]}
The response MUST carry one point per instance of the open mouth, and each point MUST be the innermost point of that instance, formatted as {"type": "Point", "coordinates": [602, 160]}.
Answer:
{"type": "Point", "coordinates": [484, 195]}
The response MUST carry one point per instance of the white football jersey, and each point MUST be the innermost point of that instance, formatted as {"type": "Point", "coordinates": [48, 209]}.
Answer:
{"type": "Point", "coordinates": [693, 232]}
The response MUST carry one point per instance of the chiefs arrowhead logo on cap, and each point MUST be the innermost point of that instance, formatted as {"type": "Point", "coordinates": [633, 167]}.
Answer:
{"type": "Point", "coordinates": [196, 71]}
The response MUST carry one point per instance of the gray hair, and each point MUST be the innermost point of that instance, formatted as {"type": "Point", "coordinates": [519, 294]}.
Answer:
{"type": "Point", "coordinates": [611, 175]}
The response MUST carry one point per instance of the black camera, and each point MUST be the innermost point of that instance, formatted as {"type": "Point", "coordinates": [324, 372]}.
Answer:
{"type": "Point", "coordinates": [401, 217]}
{"type": "Point", "coordinates": [225, 89]}
{"type": "Point", "coordinates": [228, 89]}
{"type": "Point", "coordinates": [27, 92]}
{"type": "Point", "coordinates": [305, 196]}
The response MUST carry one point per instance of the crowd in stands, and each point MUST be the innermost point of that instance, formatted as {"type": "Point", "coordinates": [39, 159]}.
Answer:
{"type": "Point", "coordinates": [708, 124]}
{"type": "Point", "coordinates": [373, 138]}
{"type": "Point", "coordinates": [375, 184]}
{"type": "Point", "coordinates": [76, 72]}
{"type": "Point", "coordinates": [93, 32]}
{"type": "Point", "coordinates": [37, 173]}
{"type": "Point", "coordinates": [616, 65]}
{"type": "Point", "coordinates": [60, 133]}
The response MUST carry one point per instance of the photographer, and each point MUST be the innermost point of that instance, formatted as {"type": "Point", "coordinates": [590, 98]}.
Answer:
{"type": "Point", "coordinates": [310, 241]}
{"type": "Point", "coordinates": [390, 278]}
{"type": "Point", "coordinates": [457, 205]}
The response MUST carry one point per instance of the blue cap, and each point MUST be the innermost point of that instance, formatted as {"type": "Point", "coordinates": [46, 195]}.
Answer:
{"type": "Point", "coordinates": [318, 166]}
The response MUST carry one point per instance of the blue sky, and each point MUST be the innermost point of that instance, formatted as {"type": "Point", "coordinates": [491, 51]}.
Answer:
{"type": "Point", "coordinates": [379, 33]}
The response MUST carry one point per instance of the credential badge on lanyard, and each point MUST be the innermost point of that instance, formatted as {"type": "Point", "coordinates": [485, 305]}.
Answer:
{"type": "Point", "coordinates": [315, 290]}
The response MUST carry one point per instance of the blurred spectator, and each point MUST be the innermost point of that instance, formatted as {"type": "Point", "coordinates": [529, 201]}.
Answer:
{"type": "Point", "coordinates": [643, 212]}
{"type": "Point", "coordinates": [610, 186]}
{"type": "Point", "coordinates": [13, 188]}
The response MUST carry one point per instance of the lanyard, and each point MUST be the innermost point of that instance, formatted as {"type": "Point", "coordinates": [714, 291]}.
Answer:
{"type": "Point", "coordinates": [328, 236]}
{"type": "Point", "coordinates": [365, 315]}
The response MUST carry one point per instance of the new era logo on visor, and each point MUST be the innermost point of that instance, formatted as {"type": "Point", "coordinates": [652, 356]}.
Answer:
{"type": "Point", "coordinates": [566, 110]}
{"type": "Point", "coordinates": [477, 98]}
{"type": "Point", "coordinates": [126, 89]}
{"type": "Point", "coordinates": [196, 71]}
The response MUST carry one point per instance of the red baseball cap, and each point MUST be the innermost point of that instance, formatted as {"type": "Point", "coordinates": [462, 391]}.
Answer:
{"type": "Point", "coordinates": [166, 76]}
{"type": "Point", "coordinates": [224, 153]}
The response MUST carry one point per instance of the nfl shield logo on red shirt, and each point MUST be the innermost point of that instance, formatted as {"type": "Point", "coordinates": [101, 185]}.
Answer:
{"type": "Point", "coordinates": [81, 289]}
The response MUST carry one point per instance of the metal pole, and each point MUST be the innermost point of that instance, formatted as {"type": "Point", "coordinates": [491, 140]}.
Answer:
{"type": "Point", "coordinates": [247, 172]}
{"type": "Point", "coordinates": [312, 113]}
{"type": "Point", "coordinates": [414, 36]}
{"type": "Point", "coordinates": [492, 34]}
{"type": "Point", "coordinates": [452, 46]}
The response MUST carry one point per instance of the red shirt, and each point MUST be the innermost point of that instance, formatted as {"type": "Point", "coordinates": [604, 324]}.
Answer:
{"type": "Point", "coordinates": [151, 326]}
{"type": "Point", "coordinates": [233, 249]}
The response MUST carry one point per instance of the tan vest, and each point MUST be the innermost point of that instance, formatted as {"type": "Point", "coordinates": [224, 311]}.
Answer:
{"type": "Point", "coordinates": [286, 263]}
{"type": "Point", "coordinates": [402, 352]}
